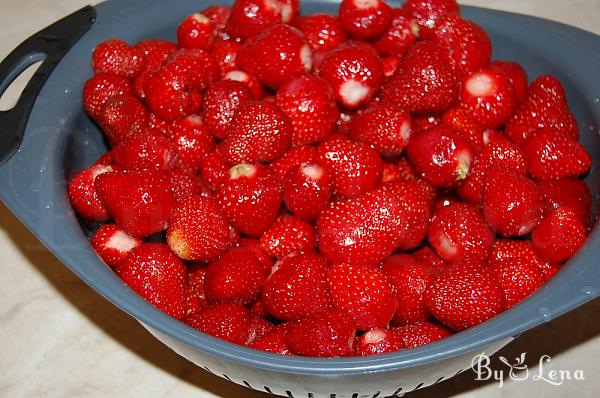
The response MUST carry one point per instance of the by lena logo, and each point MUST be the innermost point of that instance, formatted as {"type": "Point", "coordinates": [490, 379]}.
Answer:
{"type": "Point", "coordinates": [519, 371]}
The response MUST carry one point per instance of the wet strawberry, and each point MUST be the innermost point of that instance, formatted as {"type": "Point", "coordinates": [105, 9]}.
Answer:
{"type": "Point", "coordinates": [221, 101]}
{"type": "Point", "coordinates": [570, 193]}
{"type": "Point", "coordinates": [194, 288]}
{"type": "Point", "coordinates": [218, 16]}
{"type": "Point", "coordinates": [215, 168]}
{"type": "Point", "coordinates": [328, 334]}
{"type": "Point", "coordinates": [122, 116]}
{"type": "Point", "coordinates": [427, 13]}
{"type": "Point", "coordinates": [323, 31]}
{"type": "Point", "coordinates": [402, 32]}
{"type": "Point", "coordinates": [251, 17]}
{"type": "Point", "coordinates": [228, 321]}
{"type": "Point", "coordinates": [191, 141]}
{"type": "Point", "coordinates": [559, 236]}
{"type": "Point", "coordinates": [465, 124]}
{"type": "Point", "coordinates": [113, 244]}
{"type": "Point", "coordinates": [274, 341]}
{"type": "Point", "coordinates": [249, 80]}
{"type": "Point", "coordinates": [225, 54]}
{"type": "Point", "coordinates": [195, 31]}
{"type": "Point", "coordinates": [102, 87]}
{"type": "Point", "coordinates": [292, 158]}
{"type": "Point", "coordinates": [518, 279]}
{"type": "Point", "coordinates": [423, 333]}
{"type": "Point", "coordinates": [365, 19]}
{"type": "Point", "coordinates": [145, 150]}
{"type": "Point", "coordinates": [307, 189]}
{"type": "Point", "coordinates": [116, 57]}
{"type": "Point", "coordinates": [84, 196]}
{"type": "Point", "coordinates": [516, 74]}
{"type": "Point", "coordinates": [287, 235]}
{"type": "Point", "coordinates": [378, 341]}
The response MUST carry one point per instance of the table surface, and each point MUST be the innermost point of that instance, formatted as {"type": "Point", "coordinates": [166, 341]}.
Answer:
{"type": "Point", "coordinates": [58, 338]}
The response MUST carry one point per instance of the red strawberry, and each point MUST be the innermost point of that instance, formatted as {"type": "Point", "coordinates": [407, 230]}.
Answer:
{"type": "Point", "coordinates": [427, 121]}
{"type": "Point", "coordinates": [228, 321]}
{"type": "Point", "coordinates": [419, 334]}
{"type": "Point", "coordinates": [402, 32]}
{"type": "Point", "coordinates": [251, 198]}
{"type": "Point", "coordinates": [365, 19]}
{"type": "Point", "coordinates": [323, 31]}
{"type": "Point", "coordinates": [518, 279]}
{"type": "Point", "coordinates": [463, 296]}
{"type": "Point", "coordinates": [441, 156]}
{"type": "Point", "coordinates": [100, 88]}
{"type": "Point", "coordinates": [551, 154]}
{"type": "Point", "coordinates": [235, 277]}
{"type": "Point", "coordinates": [409, 279]}
{"type": "Point", "coordinates": [198, 230]}
{"type": "Point", "coordinates": [274, 341]}
{"type": "Point", "coordinates": [158, 124]}
{"type": "Point", "coordinates": [390, 65]}
{"type": "Point", "coordinates": [218, 16]}
{"type": "Point", "coordinates": [463, 122]}
{"type": "Point", "coordinates": [516, 74]}
{"type": "Point", "coordinates": [391, 172]}
{"type": "Point", "coordinates": [385, 127]}
{"type": "Point", "coordinates": [194, 289]}
{"type": "Point", "coordinates": [191, 141]}
{"type": "Point", "coordinates": [297, 287]}
{"type": "Point", "coordinates": [309, 103]}
{"type": "Point", "coordinates": [221, 100]}
{"type": "Point", "coordinates": [328, 334]}
{"type": "Point", "coordinates": [512, 204]}
{"type": "Point", "coordinates": [155, 51]}
{"type": "Point", "coordinates": [195, 31]}
{"type": "Point", "coordinates": [559, 236]}
{"type": "Point", "coordinates": [146, 150]}
{"type": "Point", "coordinates": [215, 168]}
{"type": "Point", "coordinates": [501, 154]}
{"type": "Point", "coordinates": [428, 12]}
{"type": "Point", "coordinates": [378, 341]}
{"type": "Point", "coordinates": [157, 275]}
{"type": "Point", "coordinates": [424, 82]}
{"type": "Point", "coordinates": [113, 244]}
{"type": "Point", "coordinates": [469, 45]}
{"type": "Point", "coordinates": [458, 233]}
{"type": "Point", "coordinates": [354, 167]}
{"type": "Point", "coordinates": [307, 189]}
{"type": "Point", "coordinates": [225, 54]}
{"type": "Point", "coordinates": [251, 17]}
{"type": "Point", "coordinates": [287, 235]}
{"type": "Point", "coordinates": [507, 250]}
{"type": "Point", "coordinates": [428, 256]}
{"type": "Point", "coordinates": [544, 106]}
{"type": "Point", "coordinates": [249, 80]}
{"type": "Point", "coordinates": [139, 201]}
{"type": "Point", "coordinates": [116, 57]}
{"type": "Point", "coordinates": [490, 136]}
{"type": "Point", "coordinates": [258, 132]}
{"type": "Point", "coordinates": [293, 157]}
{"type": "Point", "coordinates": [570, 193]}
{"type": "Point", "coordinates": [123, 116]}
{"type": "Point", "coordinates": [83, 194]}
{"type": "Point", "coordinates": [354, 73]}
{"type": "Point", "coordinates": [262, 257]}
{"type": "Point", "coordinates": [276, 55]}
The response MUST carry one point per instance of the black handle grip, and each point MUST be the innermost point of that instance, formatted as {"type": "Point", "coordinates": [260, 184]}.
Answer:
{"type": "Point", "coordinates": [48, 45]}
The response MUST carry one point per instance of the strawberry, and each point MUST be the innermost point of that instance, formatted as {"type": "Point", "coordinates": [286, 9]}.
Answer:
{"type": "Point", "coordinates": [276, 55]}
{"type": "Point", "coordinates": [100, 88]}
{"type": "Point", "coordinates": [194, 289]}
{"type": "Point", "coordinates": [225, 54]}
{"type": "Point", "coordinates": [441, 156]}
{"type": "Point", "coordinates": [428, 256]}
{"type": "Point", "coordinates": [559, 236]}
{"type": "Point", "coordinates": [113, 244]}
{"type": "Point", "coordinates": [465, 124]}
{"type": "Point", "coordinates": [297, 287]}
{"type": "Point", "coordinates": [198, 231]}
{"type": "Point", "coordinates": [490, 136]}
{"type": "Point", "coordinates": [516, 74]}
{"type": "Point", "coordinates": [323, 31]}
{"type": "Point", "coordinates": [254, 245]}
{"type": "Point", "coordinates": [228, 321]}
{"type": "Point", "coordinates": [463, 296]}
{"type": "Point", "coordinates": [251, 17]}
{"type": "Point", "coordinates": [155, 51]}
{"type": "Point", "coordinates": [251, 198]}
{"type": "Point", "coordinates": [328, 334]}
{"type": "Point", "coordinates": [512, 203]}
{"type": "Point", "coordinates": [354, 73]}
{"type": "Point", "coordinates": [409, 279]}
{"type": "Point", "coordinates": [116, 57]}
{"type": "Point", "coordinates": [293, 157]}
{"type": "Point", "coordinates": [403, 32]}
{"type": "Point", "coordinates": [146, 150]}
{"type": "Point", "coordinates": [458, 233]}
{"type": "Point", "coordinates": [249, 80]}
{"type": "Point", "coordinates": [378, 341]}
{"type": "Point", "coordinates": [221, 100]}
{"type": "Point", "coordinates": [235, 277]}
{"type": "Point", "coordinates": [391, 172]}
{"type": "Point", "coordinates": [390, 65]}
{"type": "Point", "coordinates": [215, 168]}
{"type": "Point", "coordinates": [122, 116]}
{"type": "Point", "coordinates": [273, 341]}
{"type": "Point", "coordinates": [469, 46]}
{"type": "Point", "coordinates": [84, 196]}
{"type": "Point", "coordinates": [489, 96]}
{"type": "Point", "coordinates": [428, 120]}
{"type": "Point", "coordinates": [522, 251]}
{"type": "Point", "coordinates": [551, 154]}
{"type": "Point", "coordinates": [287, 235]}
{"type": "Point", "coordinates": [307, 189]}
{"type": "Point", "coordinates": [139, 201]}
{"type": "Point", "coordinates": [419, 334]}
{"type": "Point", "coordinates": [427, 13]}
{"type": "Point", "coordinates": [157, 275]}
{"type": "Point", "coordinates": [195, 31]}
{"type": "Point", "coordinates": [545, 105]}
{"type": "Point", "coordinates": [261, 327]}
{"type": "Point", "coordinates": [365, 19]}
{"type": "Point", "coordinates": [218, 16]}
{"type": "Point", "coordinates": [518, 279]}
{"type": "Point", "coordinates": [501, 154]}
{"type": "Point", "coordinates": [425, 81]}
{"type": "Point", "coordinates": [309, 103]}
{"type": "Point", "coordinates": [258, 132]}
{"type": "Point", "coordinates": [191, 141]}
{"type": "Point", "coordinates": [570, 193]}
{"type": "Point", "coordinates": [383, 126]}
{"type": "Point", "coordinates": [354, 167]}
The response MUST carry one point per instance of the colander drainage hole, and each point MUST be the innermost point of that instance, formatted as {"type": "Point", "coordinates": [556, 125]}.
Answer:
{"type": "Point", "coordinates": [417, 387]}
{"type": "Point", "coordinates": [289, 394]}
{"type": "Point", "coordinates": [246, 384]}
{"type": "Point", "coordinates": [355, 395]}
{"type": "Point", "coordinates": [398, 391]}
{"type": "Point", "coordinates": [376, 394]}
{"type": "Point", "coordinates": [267, 389]}
{"type": "Point", "coordinates": [227, 377]}
{"type": "Point", "coordinates": [438, 380]}
{"type": "Point", "coordinates": [332, 395]}
{"type": "Point", "coordinates": [207, 369]}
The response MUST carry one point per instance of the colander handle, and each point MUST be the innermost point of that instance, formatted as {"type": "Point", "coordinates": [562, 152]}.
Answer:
{"type": "Point", "coordinates": [48, 45]}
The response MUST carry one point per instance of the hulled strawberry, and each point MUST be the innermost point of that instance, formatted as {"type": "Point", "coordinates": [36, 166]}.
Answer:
{"type": "Point", "coordinates": [116, 57]}
{"type": "Point", "coordinates": [568, 192]}
{"type": "Point", "coordinates": [292, 158]}
{"type": "Point", "coordinates": [428, 256]}
{"type": "Point", "coordinates": [378, 341]}
{"type": "Point", "coordinates": [123, 116]}
{"type": "Point", "coordinates": [328, 334]}
{"type": "Point", "coordinates": [84, 196]}
{"type": "Point", "coordinates": [403, 32]}
{"type": "Point", "coordinates": [251, 198]}
{"type": "Point", "coordinates": [198, 230]}
{"type": "Point", "coordinates": [191, 141]}
{"type": "Point", "coordinates": [427, 13]}
{"type": "Point", "coordinates": [218, 16]}
{"type": "Point", "coordinates": [307, 189]}
{"type": "Point", "coordinates": [516, 74]}
{"type": "Point", "coordinates": [195, 31]}
{"type": "Point", "coordinates": [423, 333]}
{"type": "Point", "coordinates": [145, 150]}
{"type": "Point", "coordinates": [390, 65]}
{"type": "Point", "coordinates": [225, 54]}
{"type": "Point", "coordinates": [155, 51]}
{"type": "Point", "coordinates": [288, 234]}
{"type": "Point", "coordinates": [251, 17]}
{"type": "Point", "coordinates": [365, 19]}
{"type": "Point", "coordinates": [518, 279]}
{"type": "Point", "coordinates": [274, 341]}
{"type": "Point", "coordinates": [465, 124]}
{"type": "Point", "coordinates": [228, 321]}
{"type": "Point", "coordinates": [113, 244]}
{"type": "Point", "coordinates": [100, 88]}
{"type": "Point", "coordinates": [221, 101]}
{"type": "Point", "coordinates": [559, 236]}
{"type": "Point", "coordinates": [522, 251]}
{"type": "Point", "coordinates": [249, 80]}
{"type": "Point", "coordinates": [323, 31]}
{"type": "Point", "coordinates": [157, 275]}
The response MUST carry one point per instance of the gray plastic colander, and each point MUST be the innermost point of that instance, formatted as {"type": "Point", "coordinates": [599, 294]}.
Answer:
{"type": "Point", "coordinates": [47, 137]}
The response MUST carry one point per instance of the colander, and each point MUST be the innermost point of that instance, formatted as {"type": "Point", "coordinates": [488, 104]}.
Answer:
{"type": "Point", "coordinates": [46, 137]}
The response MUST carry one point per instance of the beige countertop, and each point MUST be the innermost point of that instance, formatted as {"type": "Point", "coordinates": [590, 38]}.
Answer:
{"type": "Point", "coordinates": [58, 338]}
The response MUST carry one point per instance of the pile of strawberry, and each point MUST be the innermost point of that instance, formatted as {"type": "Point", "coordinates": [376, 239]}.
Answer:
{"type": "Point", "coordinates": [330, 185]}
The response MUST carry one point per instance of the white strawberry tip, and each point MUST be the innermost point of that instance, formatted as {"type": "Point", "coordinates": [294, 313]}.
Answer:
{"type": "Point", "coordinates": [312, 171]}
{"type": "Point", "coordinates": [121, 242]}
{"type": "Point", "coordinates": [236, 75]}
{"type": "Point", "coordinates": [405, 131]}
{"type": "Point", "coordinates": [286, 13]}
{"type": "Point", "coordinates": [464, 164]}
{"type": "Point", "coordinates": [480, 84]}
{"type": "Point", "coordinates": [306, 57]}
{"type": "Point", "coordinates": [195, 119]}
{"type": "Point", "coordinates": [353, 92]}
{"type": "Point", "coordinates": [446, 246]}
{"type": "Point", "coordinates": [203, 19]}
{"type": "Point", "coordinates": [486, 137]}
{"type": "Point", "coordinates": [374, 336]}
{"type": "Point", "coordinates": [365, 4]}
{"type": "Point", "coordinates": [242, 170]}
{"type": "Point", "coordinates": [100, 169]}
{"type": "Point", "coordinates": [414, 28]}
